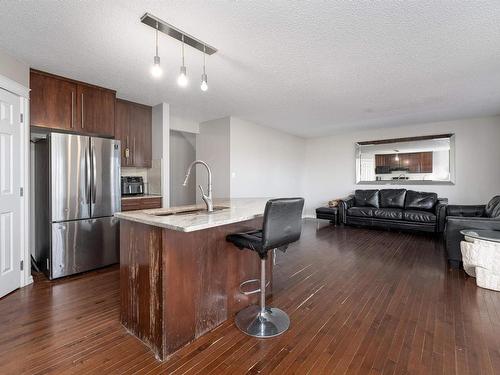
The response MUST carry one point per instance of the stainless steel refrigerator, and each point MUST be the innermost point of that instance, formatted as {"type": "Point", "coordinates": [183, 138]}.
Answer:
{"type": "Point", "coordinates": [77, 191]}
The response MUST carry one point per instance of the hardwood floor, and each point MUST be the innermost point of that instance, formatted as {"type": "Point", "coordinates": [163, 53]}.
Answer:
{"type": "Point", "coordinates": [360, 301]}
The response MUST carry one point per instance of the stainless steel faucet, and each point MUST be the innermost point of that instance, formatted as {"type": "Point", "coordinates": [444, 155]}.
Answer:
{"type": "Point", "coordinates": [206, 198]}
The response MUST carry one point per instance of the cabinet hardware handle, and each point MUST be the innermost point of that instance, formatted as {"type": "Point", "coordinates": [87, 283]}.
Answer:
{"type": "Point", "coordinates": [83, 125]}
{"type": "Point", "coordinates": [127, 155]}
{"type": "Point", "coordinates": [133, 152]}
{"type": "Point", "coordinates": [72, 109]}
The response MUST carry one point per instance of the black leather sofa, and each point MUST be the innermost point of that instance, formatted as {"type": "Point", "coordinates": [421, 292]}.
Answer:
{"type": "Point", "coordinates": [459, 217]}
{"type": "Point", "coordinates": [395, 208]}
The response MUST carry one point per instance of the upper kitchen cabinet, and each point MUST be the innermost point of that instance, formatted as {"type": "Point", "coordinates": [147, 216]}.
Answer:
{"type": "Point", "coordinates": [52, 102]}
{"type": "Point", "coordinates": [134, 129]}
{"type": "Point", "coordinates": [96, 110]}
{"type": "Point", "coordinates": [63, 104]}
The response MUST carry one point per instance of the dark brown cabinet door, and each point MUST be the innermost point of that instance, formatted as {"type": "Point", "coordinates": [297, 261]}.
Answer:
{"type": "Point", "coordinates": [426, 162]}
{"type": "Point", "coordinates": [122, 129]}
{"type": "Point", "coordinates": [140, 135]}
{"type": "Point", "coordinates": [96, 110]}
{"type": "Point", "coordinates": [133, 129]}
{"type": "Point", "coordinates": [52, 102]}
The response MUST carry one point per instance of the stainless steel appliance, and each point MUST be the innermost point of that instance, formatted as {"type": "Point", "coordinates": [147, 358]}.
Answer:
{"type": "Point", "coordinates": [77, 191]}
{"type": "Point", "coordinates": [132, 185]}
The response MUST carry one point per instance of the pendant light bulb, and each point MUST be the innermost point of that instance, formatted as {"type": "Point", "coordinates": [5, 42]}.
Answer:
{"type": "Point", "coordinates": [204, 84]}
{"type": "Point", "coordinates": [156, 70]}
{"type": "Point", "coordinates": [182, 80]}
{"type": "Point", "coordinates": [396, 158]}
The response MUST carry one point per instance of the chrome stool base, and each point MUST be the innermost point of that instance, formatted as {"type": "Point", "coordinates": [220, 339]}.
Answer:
{"type": "Point", "coordinates": [272, 322]}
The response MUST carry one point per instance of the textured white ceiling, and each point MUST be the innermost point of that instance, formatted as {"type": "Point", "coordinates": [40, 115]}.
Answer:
{"type": "Point", "coordinates": [309, 68]}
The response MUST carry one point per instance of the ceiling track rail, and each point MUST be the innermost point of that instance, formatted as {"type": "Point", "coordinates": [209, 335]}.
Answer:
{"type": "Point", "coordinates": [174, 32]}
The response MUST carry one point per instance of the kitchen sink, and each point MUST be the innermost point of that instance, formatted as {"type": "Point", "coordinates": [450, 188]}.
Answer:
{"type": "Point", "coordinates": [189, 211]}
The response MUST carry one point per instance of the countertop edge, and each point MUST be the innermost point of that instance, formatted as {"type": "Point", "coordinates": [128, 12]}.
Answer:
{"type": "Point", "coordinates": [192, 228]}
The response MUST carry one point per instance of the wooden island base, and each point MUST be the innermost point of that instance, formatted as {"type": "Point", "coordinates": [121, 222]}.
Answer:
{"type": "Point", "coordinates": [175, 286]}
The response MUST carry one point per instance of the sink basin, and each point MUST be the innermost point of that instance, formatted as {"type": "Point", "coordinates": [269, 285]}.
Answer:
{"type": "Point", "coordinates": [189, 211]}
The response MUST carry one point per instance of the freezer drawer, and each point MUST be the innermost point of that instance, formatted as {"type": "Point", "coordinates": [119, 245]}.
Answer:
{"type": "Point", "coordinates": [83, 245]}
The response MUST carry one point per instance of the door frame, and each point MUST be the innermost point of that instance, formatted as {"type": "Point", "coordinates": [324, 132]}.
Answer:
{"type": "Point", "coordinates": [23, 93]}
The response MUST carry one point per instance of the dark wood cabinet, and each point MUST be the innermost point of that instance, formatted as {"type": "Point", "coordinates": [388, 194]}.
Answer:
{"type": "Point", "coordinates": [96, 110]}
{"type": "Point", "coordinates": [122, 115]}
{"type": "Point", "coordinates": [140, 203]}
{"type": "Point", "coordinates": [134, 129]}
{"type": "Point", "coordinates": [52, 102]}
{"type": "Point", "coordinates": [63, 104]}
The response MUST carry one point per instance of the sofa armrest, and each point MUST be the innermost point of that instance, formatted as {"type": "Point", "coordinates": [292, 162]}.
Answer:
{"type": "Point", "coordinates": [454, 224]}
{"type": "Point", "coordinates": [344, 205]}
{"type": "Point", "coordinates": [441, 205]}
{"type": "Point", "coordinates": [465, 210]}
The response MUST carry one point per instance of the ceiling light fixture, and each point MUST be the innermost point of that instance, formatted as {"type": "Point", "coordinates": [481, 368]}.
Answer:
{"type": "Point", "coordinates": [172, 31]}
{"type": "Point", "coordinates": [396, 158]}
{"type": "Point", "coordinates": [182, 80]}
{"type": "Point", "coordinates": [204, 84]}
{"type": "Point", "coordinates": [156, 68]}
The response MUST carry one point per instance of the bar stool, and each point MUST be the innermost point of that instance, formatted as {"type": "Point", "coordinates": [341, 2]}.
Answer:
{"type": "Point", "coordinates": [282, 225]}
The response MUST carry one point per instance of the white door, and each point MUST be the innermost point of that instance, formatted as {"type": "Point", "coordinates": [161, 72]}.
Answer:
{"type": "Point", "coordinates": [10, 200]}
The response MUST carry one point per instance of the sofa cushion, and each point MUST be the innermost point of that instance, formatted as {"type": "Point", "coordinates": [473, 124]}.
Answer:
{"type": "Point", "coordinates": [419, 216]}
{"type": "Point", "coordinates": [360, 211]}
{"type": "Point", "coordinates": [392, 198]}
{"type": "Point", "coordinates": [388, 213]}
{"type": "Point", "coordinates": [366, 198]}
{"type": "Point", "coordinates": [419, 200]}
{"type": "Point", "coordinates": [492, 209]}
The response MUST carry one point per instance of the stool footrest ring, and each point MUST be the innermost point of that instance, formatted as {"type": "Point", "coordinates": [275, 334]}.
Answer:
{"type": "Point", "coordinates": [250, 282]}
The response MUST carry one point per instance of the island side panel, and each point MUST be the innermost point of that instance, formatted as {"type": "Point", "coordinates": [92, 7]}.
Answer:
{"type": "Point", "coordinates": [201, 276]}
{"type": "Point", "coordinates": [141, 282]}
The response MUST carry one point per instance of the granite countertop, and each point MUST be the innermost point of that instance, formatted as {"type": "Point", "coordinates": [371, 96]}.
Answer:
{"type": "Point", "coordinates": [143, 196]}
{"type": "Point", "coordinates": [235, 210]}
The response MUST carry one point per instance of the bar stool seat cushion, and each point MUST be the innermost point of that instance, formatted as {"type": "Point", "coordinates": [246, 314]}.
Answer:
{"type": "Point", "coordinates": [249, 240]}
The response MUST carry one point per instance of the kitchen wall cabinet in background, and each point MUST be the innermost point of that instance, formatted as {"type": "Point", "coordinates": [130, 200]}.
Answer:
{"type": "Point", "coordinates": [412, 162]}
{"type": "Point", "coordinates": [134, 129]}
{"type": "Point", "coordinates": [63, 104]}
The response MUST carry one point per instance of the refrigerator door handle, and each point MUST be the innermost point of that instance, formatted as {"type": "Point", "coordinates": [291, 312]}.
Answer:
{"type": "Point", "coordinates": [87, 176]}
{"type": "Point", "coordinates": [94, 175]}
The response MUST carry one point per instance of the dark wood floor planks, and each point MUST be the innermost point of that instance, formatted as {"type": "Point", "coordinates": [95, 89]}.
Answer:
{"type": "Point", "coordinates": [360, 301]}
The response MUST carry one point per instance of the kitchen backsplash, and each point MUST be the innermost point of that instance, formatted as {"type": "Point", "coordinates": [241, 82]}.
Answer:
{"type": "Point", "coordinates": [154, 177]}
{"type": "Point", "coordinates": [151, 176]}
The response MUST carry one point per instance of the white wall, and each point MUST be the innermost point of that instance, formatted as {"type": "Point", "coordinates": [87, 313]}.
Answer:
{"type": "Point", "coordinates": [14, 69]}
{"type": "Point", "coordinates": [182, 153]}
{"type": "Point", "coordinates": [159, 174]}
{"type": "Point", "coordinates": [265, 162]}
{"type": "Point", "coordinates": [330, 161]}
{"type": "Point", "coordinates": [212, 146]}
{"type": "Point", "coordinates": [183, 124]}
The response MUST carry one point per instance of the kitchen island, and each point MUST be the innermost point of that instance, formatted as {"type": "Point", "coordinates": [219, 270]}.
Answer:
{"type": "Point", "coordinates": [179, 278]}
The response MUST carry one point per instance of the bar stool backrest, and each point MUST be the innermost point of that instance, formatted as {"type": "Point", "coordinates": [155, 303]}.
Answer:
{"type": "Point", "coordinates": [282, 222]}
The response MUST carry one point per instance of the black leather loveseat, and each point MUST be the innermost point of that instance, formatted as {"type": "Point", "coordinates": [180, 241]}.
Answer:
{"type": "Point", "coordinates": [459, 217]}
{"type": "Point", "coordinates": [395, 208]}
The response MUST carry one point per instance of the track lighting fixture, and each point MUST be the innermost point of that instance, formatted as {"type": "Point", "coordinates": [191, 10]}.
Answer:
{"type": "Point", "coordinates": [156, 68]}
{"type": "Point", "coordinates": [172, 31]}
{"type": "Point", "coordinates": [182, 80]}
{"type": "Point", "coordinates": [204, 84]}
